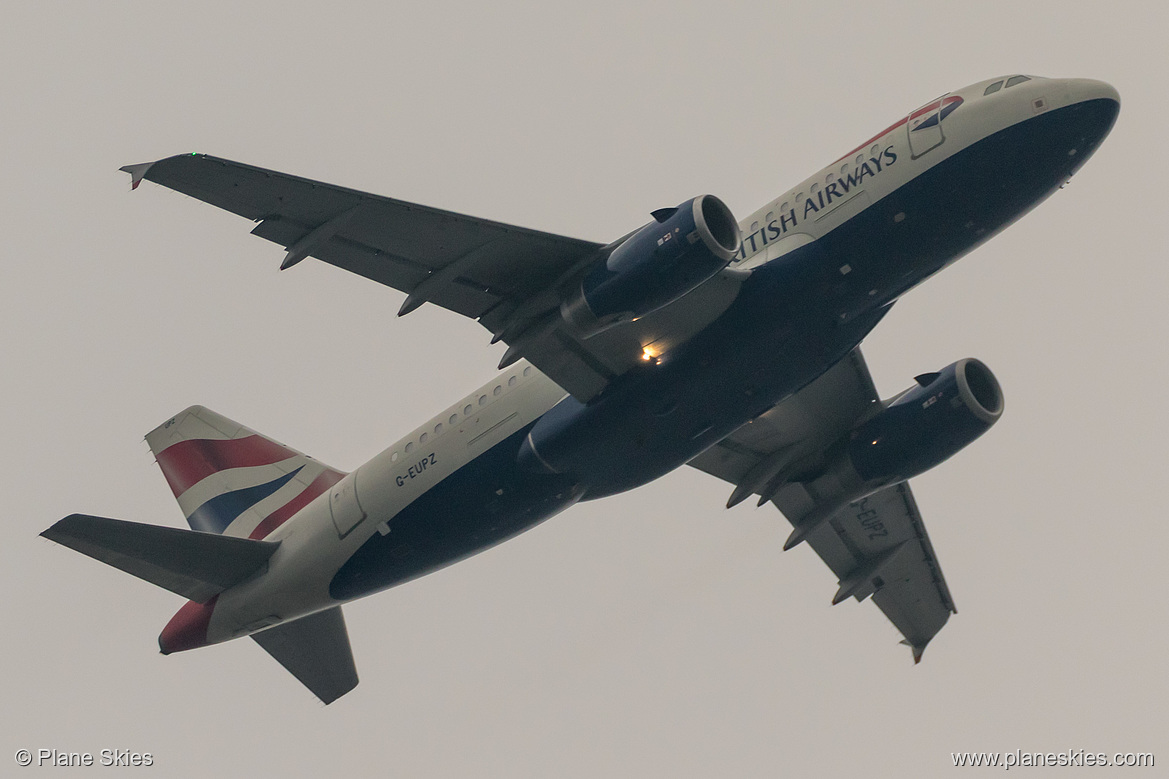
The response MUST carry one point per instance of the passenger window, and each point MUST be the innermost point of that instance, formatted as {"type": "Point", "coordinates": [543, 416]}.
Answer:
{"type": "Point", "coordinates": [438, 428]}
{"type": "Point", "coordinates": [482, 400]}
{"type": "Point", "coordinates": [511, 382]}
{"type": "Point", "coordinates": [528, 371]}
{"type": "Point", "coordinates": [409, 447]}
{"type": "Point", "coordinates": [995, 87]}
{"type": "Point", "coordinates": [454, 418]}
{"type": "Point", "coordinates": [498, 389]}
{"type": "Point", "coordinates": [1016, 80]}
{"type": "Point", "coordinates": [467, 411]}
{"type": "Point", "coordinates": [422, 438]}
{"type": "Point", "coordinates": [394, 457]}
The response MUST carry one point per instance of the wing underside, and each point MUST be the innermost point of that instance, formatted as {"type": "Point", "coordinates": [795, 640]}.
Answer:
{"type": "Point", "coordinates": [511, 279]}
{"type": "Point", "coordinates": [877, 546]}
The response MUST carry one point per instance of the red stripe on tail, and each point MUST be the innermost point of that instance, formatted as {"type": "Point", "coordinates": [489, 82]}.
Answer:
{"type": "Point", "coordinates": [187, 463]}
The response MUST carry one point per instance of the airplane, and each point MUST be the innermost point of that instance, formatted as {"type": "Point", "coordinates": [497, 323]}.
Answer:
{"type": "Point", "coordinates": [728, 346]}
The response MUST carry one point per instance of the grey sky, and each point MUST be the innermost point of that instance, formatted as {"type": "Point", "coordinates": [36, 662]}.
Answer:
{"type": "Point", "coordinates": [651, 634]}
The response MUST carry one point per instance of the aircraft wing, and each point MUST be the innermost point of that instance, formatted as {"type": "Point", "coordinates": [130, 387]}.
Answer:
{"type": "Point", "coordinates": [508, 278]}
{"type": "Point", "coordinates": [876, 546]}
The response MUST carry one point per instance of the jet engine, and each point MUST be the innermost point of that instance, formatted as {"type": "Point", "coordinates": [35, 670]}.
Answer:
{"type": "Point", "coordinates": [926, 425]}
{"type": "Point", "coordinates": [657, 264]}
{"type": "Point", "coordinates": [922, 427]}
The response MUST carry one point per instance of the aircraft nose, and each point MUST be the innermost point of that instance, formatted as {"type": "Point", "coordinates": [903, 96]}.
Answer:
{"type": "Point", "coordinates": [187, 629]}
{"type": "Point", "coordinates": [1083, 90]}
{"type": "Point", "coordinates": [1096, 104]}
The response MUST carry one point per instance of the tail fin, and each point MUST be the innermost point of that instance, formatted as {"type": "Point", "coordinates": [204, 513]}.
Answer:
{"type": "Point", "coordinates": [231, 480]}
{"type": "Point", "coordinates": [197, 566]}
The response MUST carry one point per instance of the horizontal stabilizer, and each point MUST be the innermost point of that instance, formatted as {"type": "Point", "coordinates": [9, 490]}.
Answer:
{"type": "Point", "coordinates": [315, 649]}
{"type": "Point", "coordinates": [195, 565]}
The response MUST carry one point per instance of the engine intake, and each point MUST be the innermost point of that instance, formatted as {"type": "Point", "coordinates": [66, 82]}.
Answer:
{"type": "Point", "coordinates": [661, 262]}
{"type": "Point", "coordinates": [927, 424]}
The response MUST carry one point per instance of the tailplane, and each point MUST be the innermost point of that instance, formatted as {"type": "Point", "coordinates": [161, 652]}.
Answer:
{"type": "Point", "coordinates": [315, 649]}
{"type": "Point", "coordinates": [235, 487]}
{"type": "Point", "coordinates": [197, 566]}
{"type": "Point", "coordinates": [231, 480]}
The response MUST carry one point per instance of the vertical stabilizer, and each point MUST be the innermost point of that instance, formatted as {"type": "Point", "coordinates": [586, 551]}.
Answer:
{"type": "Point", "coordinates": [231, 480]}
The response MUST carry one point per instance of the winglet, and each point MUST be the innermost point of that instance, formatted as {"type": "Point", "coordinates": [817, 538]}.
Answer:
{"type": "Point", "coordinates": [917, 651]}
{"type": "Point", "coordinates": [137, 173]}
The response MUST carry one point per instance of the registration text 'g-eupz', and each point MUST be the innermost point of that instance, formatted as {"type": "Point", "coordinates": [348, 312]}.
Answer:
{"type": "Point", "coordinates": [415, 470]}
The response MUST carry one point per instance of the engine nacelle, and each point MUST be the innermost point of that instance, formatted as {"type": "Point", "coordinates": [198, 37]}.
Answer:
{"type": "Point", "coordinates": [927, 424]}
{"type": "Point", "coordinates": [659, 263]}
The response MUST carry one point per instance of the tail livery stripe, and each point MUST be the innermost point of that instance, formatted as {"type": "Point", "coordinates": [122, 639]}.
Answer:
{"type": "Point", "coordinates": [187, 629]}
{"type": "Point", "coordinates": [231, 480]}
{"type": "Point", "coordinates": [281, 515]}
{"type": "Point", "coordinates": [216, 514]}
{"type": "Point", "coordinates": [186, 463]}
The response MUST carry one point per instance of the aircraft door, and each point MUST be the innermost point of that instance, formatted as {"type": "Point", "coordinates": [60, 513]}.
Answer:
{"type": "Point", "coordinates": [925, 128]}
{"type": "Point", "coordinates": [344, 506]}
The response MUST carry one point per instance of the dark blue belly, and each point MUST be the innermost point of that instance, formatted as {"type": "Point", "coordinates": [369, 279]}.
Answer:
{"type": "Point", "coordinates": [793, 319]}
{"type": "Point", "coordinates": [798, 315]}
{"type": "Point", "coordinates": [487, 501]}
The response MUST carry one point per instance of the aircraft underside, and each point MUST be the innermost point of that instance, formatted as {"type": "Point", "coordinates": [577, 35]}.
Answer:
{"type": "Point", "coordinates": [682, 343]}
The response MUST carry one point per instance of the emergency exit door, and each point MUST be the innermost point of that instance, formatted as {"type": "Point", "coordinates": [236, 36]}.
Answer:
{"type": "Point", "coordinates": [344, 506]}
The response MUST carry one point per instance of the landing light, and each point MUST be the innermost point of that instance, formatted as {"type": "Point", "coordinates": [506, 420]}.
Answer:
{"type": "Point", "coordinates": [650, 354]}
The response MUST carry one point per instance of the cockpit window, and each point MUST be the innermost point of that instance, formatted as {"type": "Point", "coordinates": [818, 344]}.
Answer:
{"type": "Point", "coordinates": [1016, 80]}
{"type": "Point", "coordinates": [995, 87]}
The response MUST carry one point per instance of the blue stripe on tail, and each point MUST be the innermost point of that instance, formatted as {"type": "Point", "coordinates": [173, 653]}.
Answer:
{"type": "Point", "coordinates": [216, 514]}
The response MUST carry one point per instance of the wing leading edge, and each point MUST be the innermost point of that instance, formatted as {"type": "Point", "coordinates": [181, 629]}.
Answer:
{"type": "Point", "coordinates": [389, 241]}
{"type": "Point", "coordinates": [511, 279]}
{"type": "Point", "coordinates": [877, 546]}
